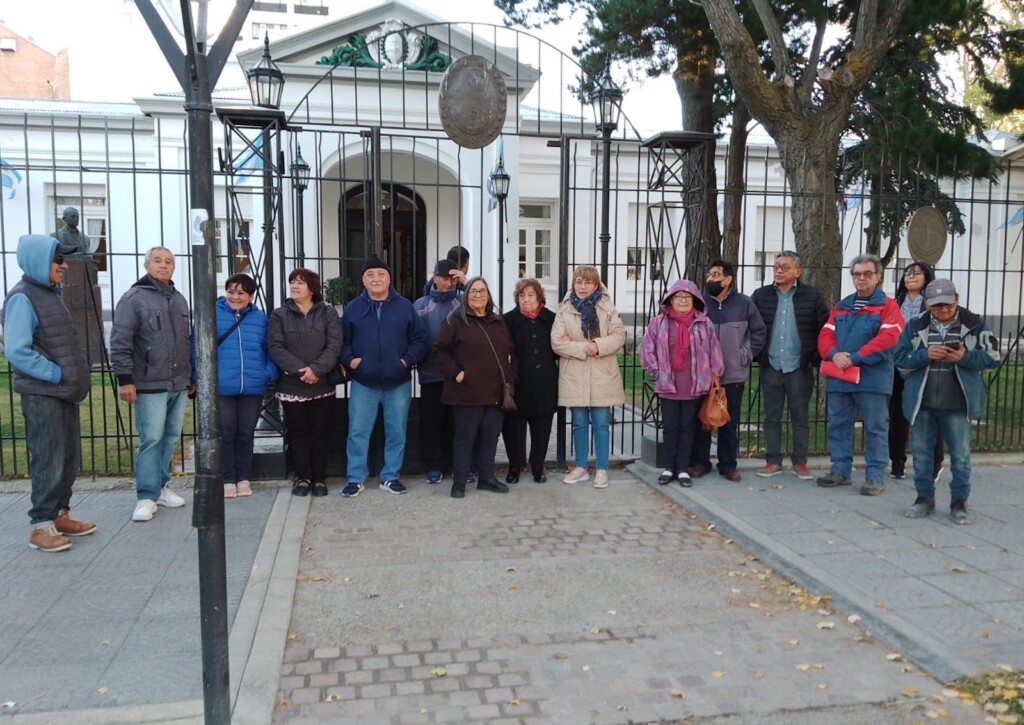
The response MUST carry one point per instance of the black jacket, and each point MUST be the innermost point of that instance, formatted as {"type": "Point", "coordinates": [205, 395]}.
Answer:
{"type": "Point", "coordinates": [295, 341]}
{"type": "Point", "coordinates": [811, 315]}
{"type": "Point", "coordinates": [537, 387]}
{"type": "Point", "coordinates": [462, 347]}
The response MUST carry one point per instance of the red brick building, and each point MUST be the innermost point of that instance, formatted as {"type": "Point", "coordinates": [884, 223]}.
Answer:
{"type": "Point", "coordinates": [28, 71]}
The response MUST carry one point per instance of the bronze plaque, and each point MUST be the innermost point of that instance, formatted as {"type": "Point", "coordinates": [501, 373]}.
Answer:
{"type": "Point", "coordinates": [472, 102]}
{"type": "Point", "coordinates": [926, 235]}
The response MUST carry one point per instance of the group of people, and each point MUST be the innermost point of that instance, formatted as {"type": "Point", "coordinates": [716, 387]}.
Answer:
{"type": "Point", "coordinates": [470, 359]}
{"type": "Point", "coordinates": [918, 357]}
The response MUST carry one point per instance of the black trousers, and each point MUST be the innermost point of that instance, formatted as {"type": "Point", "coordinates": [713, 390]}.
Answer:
{"type": "Point", "coordinates": [899, 432]}
{"type": "Point", "coordinates": [480, 424]}
{"type": "Point", "coordinates": [308, 424]}
{"type": "Point", "coordinates": [514, 434]}
{"type": "Point", "coordinates": [437, 428]}
{"type": "Point", "coordinates": [679, 427]}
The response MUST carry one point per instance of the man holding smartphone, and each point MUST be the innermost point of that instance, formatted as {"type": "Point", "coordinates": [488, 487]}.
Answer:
{"type": "Point", "coordinates": [943, 353]}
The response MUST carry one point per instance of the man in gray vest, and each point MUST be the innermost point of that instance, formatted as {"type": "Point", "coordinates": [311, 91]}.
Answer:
{"type": "Point", "coordinates": [52, 378]}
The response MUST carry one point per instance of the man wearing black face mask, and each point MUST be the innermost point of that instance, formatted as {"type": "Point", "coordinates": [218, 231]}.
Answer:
{"type": "Point", "coordinates": [742, 334]}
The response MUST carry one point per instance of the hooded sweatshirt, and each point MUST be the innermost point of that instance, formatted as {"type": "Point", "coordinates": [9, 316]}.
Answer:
{"type": "Point", "coordinates": [39, 336]}
{"type": "Point", "coordinates": [705, 350]}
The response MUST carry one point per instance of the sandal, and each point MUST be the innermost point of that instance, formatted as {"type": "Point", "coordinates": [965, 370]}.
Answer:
{"type": "Point", "coordinates": [301, 488]}
{"type": "Point", "coordinates": [320, 488]}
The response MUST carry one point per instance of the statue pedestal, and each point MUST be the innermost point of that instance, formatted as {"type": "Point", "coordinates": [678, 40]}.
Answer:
{"type": "Point", "coordinates": [81, 296]}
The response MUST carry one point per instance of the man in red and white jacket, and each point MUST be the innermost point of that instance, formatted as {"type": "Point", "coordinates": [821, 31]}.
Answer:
{"type": "Point", "coordinates": [862, 331]}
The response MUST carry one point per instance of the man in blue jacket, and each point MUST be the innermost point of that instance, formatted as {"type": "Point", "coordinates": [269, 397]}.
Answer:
{"type": "Point", "coordinates": [943, 353]}
{"type": "Point", "coordinates": [52, 378]}
{"type": "Point", "coordinates": [742, 333]}
{"type": "Point", "coordinates": [860, 338]}
{"type": "Point", "coordinates": [384, 340]}
{"type": "Point", "coordinates": [436, 424]}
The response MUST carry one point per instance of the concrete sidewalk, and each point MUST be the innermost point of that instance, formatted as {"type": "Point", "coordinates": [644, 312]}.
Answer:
{"type": "Point", "coordinates": [948, 596]}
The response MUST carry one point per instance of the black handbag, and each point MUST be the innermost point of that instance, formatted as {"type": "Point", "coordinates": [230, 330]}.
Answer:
{"type": "Point", "coordinates": [508, 390]}
{"type": "Point", "coordinates": [337, 375]}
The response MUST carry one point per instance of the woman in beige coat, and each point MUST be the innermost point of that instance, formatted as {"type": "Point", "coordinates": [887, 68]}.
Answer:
{"type": "Point", "coordinates": [587, 335]}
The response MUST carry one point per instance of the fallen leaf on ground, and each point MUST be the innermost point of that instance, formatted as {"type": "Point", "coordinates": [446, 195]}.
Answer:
{"type": "Point", "coordinates": [102, 690]}
{"type": "Point", "coordinates": [679, 694]}
{"type": "Point", "coordinates": [514, 702]}
{"type": "Point", "coordinates": [612, 612]}
{"type": "Point", "coordinates": [793, 642]}
{"type": "Point", "coordinates": [909, 692]}
{"type": "Point", "coordinates": [802, 668]}
{"type": "Point", "coordinates": [511, 569]}
{"type": "Point", "coordinates": [293, 636]}
{"type": "Point", "coordinates": [596, 630]}
{"type": "Point", "coordinates": [513, 586]}
{"type": "Point", "coordinates": [881, 557]}
{"type": "Point", "coordinates": [106, 643]}
{"type": "Point", "coordinates": [439, 672]}
{"type": "Point", "coordinates": [401, 606]}
{"type": "Point", "coordinates": [717, 674]}
{"type": "Point", "coordinates": [621, 707]}
{"type": "Point", "coordinates": [822, 686]}
{"type": "Point", "coordinates": [826, 625]}
{"type": "Point", "coordinates": [758, 675]}
{"type": "Point", "coordinates": [561, 656]}
{"type": "Point", "coordinates": [753, 605]}
{"type": "Point", "coordinates": [895, 657]}
{"type": "Point", "coordinates": [333, 697]}
{"type": "Point", "coordinates": [950, 692]}
{"type": "Point", "coordinates": [958, 569]}
{"type": "Point", "coordinates": [285, 702]}
{"type": "Point", "coordinates": [853, 618]}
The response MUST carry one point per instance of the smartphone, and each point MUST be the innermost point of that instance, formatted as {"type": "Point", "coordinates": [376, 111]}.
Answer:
{"type": "Point", "coordinates": [952, 345]}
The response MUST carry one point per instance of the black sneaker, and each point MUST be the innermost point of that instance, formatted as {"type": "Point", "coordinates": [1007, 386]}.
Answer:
{"type": "Point", "coordinates": [958, 512]}
{"type": "Point", "coordinates": [898, 472]}
{"type": "Point", "coordinates": [493, 485]}
{"type": "Point", "coordinates": [922, 507]}
{"type": "Point", "coordinates": [834, 479]}
{"type": "Point", "coordinates": [666, 477]}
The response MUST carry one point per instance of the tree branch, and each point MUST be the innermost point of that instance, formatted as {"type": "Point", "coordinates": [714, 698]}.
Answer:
{"type": "Point", "coordinates": [866, 22]}
{"type": "Point", "coordinates": [780, 54]}
{"type": "Point", "coordinates": [807, 83]}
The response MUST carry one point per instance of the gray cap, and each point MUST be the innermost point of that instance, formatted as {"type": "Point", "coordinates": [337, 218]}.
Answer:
{"type": "Point", "coordinates": [940, 292]}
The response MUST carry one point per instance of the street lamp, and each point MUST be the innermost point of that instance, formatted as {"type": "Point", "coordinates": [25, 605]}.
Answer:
{"type": "Point", "coordinates": [266, 81]}
{"type": "Point", "coordinates": [197, 70]}
{"type": "Point", "coordinates": [300, 178]}
{"type": "Point", "coordinates": [499, 183]}
{"type": "Point", "coordinates": [607, 101]}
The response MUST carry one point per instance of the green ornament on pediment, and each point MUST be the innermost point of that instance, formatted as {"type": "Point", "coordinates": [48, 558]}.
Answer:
{"type": "Point", "coordinates": [391, 46]}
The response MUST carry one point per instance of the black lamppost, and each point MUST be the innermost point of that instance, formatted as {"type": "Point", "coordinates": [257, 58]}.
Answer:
{"type": "Point", "coordinates": [197, 70]}
{"type": "Point", "coordinates": [300, 178]}
{"type": "Point", "coordinates": [607, 100]}
{"type": "Point", "coordinates": [499, 183]}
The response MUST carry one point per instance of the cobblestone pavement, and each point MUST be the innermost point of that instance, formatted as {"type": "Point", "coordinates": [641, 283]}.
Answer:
{"type": "Point", "coordinates": [566, 604]}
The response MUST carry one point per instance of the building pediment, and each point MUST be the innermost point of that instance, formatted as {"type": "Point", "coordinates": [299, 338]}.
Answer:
{"type": "Point", "coordinates": [399, 43]}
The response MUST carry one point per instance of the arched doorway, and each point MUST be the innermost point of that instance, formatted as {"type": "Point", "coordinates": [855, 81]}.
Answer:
{"type": "Point", "coordinates": [404, 236]}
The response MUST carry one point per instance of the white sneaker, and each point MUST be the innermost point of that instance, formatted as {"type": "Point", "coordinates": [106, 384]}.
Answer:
{"type": "Point", "coordinates": [600, 479]}
{"type": "Point", "coordinates": [170, 499]}
{"type": "Point", "coordinates": [577, 475]}
{"type": "Point", "coordinates": [144, 510]}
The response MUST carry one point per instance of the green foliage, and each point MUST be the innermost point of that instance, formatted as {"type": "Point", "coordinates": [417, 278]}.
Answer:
{"type": "Point", "coordinates": [340, 291]}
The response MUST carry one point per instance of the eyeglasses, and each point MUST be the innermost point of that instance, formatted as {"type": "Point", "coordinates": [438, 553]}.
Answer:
{"type": "Point", "coordinates": [863, 275]}
{"type": "Point", "coordinates": [716, 275]}
{"type": "Point", "coordinates": [912, 273]}
{"type": "Point", "coordinates": [682, 298]}
{"type": "Point", "coordinates": [477, 292]}
{"type": "Point", "coordinates": [783, 268]}
{"type": "Point", "coordinates": [58, 259]}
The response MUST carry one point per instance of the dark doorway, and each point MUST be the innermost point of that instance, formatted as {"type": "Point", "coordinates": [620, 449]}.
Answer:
{"type": "Point", "coordinates": [404, 232]}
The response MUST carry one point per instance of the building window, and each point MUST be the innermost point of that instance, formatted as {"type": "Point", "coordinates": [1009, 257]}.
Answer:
{"type": "Point", "coordinates": [637, 260]}
{"type": "Point", "coordinates": [272, 29]}
{"type": "Point", "coordinates": [268, 7]}
{"type": "Point", "coordinates": [536, 231]}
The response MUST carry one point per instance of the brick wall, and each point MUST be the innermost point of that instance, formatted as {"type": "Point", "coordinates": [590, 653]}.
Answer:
{"type": "Point", "coordinates": [31, 72]}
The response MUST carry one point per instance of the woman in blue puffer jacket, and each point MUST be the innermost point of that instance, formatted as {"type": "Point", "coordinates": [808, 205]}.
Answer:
{"type": "Point", "coordinates": [244, 371]}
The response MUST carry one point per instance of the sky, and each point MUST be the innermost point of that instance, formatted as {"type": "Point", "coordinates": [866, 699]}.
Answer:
{"type": "Point", "coordinates": [114, 58]}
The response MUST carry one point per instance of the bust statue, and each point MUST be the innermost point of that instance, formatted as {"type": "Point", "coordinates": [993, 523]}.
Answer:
{"type": "Point", "coordinates": [70, 236]}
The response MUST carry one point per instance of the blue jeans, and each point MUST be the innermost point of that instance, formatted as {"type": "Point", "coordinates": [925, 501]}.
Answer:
{"type": "Point", "coordinates": [955, 428]}
{"type": "Point", "coordinates": [238, 417]}
{"type": "Point", "coordinates": [841, 409]}
{"type": "Point", "coordinates": [54, 441]}
{"type": "Point", "coordinates": [363, 403]}
{"type": "Point", "coordinates": [583, 419]}
{"type": "Point", "coordinates": [158, 419]}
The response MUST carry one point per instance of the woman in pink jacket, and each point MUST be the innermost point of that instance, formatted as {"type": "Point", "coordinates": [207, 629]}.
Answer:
{"type": "Point", "coordinates": [680, 349]}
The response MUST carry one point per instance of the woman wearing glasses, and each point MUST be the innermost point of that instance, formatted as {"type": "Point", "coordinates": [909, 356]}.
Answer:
{"type": "Point", "coordinates": [680, 349]}
{"type": "Point", "coordinates": [910, 298]}
{"type": "Point", "coordinates": [473, 351]}
{"type": "Point", "coordinates": [588, 334]}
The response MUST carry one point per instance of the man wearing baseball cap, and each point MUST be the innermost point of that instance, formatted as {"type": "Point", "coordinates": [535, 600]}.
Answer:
{"type": "Point", "coordinates": [942, 354]}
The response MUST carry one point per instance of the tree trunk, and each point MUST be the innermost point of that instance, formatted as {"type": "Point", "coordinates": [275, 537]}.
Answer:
{"type": "Point", "coordinates": [735, 182]}
{"type": "Point", "coordinates": [811, 170]}
{"type": "Point", "coordinates": [694, 80]}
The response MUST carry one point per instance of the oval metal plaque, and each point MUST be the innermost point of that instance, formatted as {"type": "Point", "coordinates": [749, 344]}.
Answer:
{"type": "Point", "coordinates": [926, 235]}
{"type": "Point", "coordinates": [472, 102]}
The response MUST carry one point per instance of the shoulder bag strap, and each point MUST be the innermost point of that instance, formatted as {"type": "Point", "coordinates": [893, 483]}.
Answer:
{"type": "Point", "coordinates": [493, 352]}
{"type": "Point", "coordinates": [231, 329]}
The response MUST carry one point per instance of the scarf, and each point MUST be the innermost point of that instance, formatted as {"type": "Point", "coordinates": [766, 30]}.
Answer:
{"type": "Point", "coordinates": [587, 308]}
{"type": "Point", "coordinates": [681, 351]}
{"type": "Point", "coordinates": [531, 315]}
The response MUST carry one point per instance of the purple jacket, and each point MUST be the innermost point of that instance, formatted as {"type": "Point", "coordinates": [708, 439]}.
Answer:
{"type": "Point", "coordinates": [705, 351]}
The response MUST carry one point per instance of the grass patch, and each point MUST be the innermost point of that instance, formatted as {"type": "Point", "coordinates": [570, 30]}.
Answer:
{"type": "Point", "coordinates": [1000, 692]}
